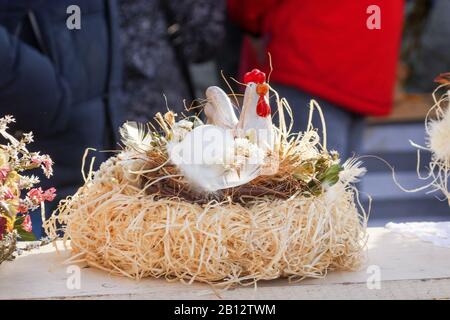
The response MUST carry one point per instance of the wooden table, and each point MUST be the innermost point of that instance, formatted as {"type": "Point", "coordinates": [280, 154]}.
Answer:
{"type": "Point", "coordinates": [409, 269]}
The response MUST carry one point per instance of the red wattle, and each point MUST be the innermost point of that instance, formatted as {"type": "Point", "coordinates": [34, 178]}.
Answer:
{"type": "Point", "coordinates": [263, 108]}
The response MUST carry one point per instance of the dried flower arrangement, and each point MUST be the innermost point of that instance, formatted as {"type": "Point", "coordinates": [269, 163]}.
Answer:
{"type": "Point", "coordinates": [262, 203]}
{"type": "Point", "coordinates": [437, 127]}
{"type": "Point", "coordinates": [15, 222]}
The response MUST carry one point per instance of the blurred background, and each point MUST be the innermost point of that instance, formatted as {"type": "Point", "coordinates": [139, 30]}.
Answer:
{"type": "Point", "coordinates": [73, 71]}
{"type": "Point", "coordinates": [424, 54]}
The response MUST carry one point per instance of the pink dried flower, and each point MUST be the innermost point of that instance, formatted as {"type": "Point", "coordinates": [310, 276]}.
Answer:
{"type": "Point", "coordinates": [48, 163]}
{"type": "Point", "coordinates": [8, 194]}
{"type": "Point", "coordinates": [26, 224]}
{"type": "Point", "coordinates": [4, 174]}
{"type": "Point", "coordinates": [45, 162]}
{"type": "Point", "coordinates": [48, 166]}
{"type": "Point", "coordinates": [36, 160]}
{"type": "Point", "coordinates": [37, 195]}
{"type": "Point", "coordinates": [3, 223]}
{"type": "Point", "coordinates": [22, 208]}
{"type": "Point", "coordinates": [50, 194]}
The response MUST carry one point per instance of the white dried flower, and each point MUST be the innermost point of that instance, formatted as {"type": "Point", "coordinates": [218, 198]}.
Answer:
{"type": "Point", "coordinates": [246, 151]}
{"type": "Point", "coordinates": [439, 137]}
{"type": "Point", "coordinates": [180, 129]}
{"type": "Point", "coordinates": [5, 121]}
{"type": "Point", "coordinates": [351, 171]}
{"type": "Point", "coordinates": [308, 145]}
{"type": "Point", "coordinates": [28, 182]}
{"type": "Point", "coordinates": [28, 138]}
{"type": "Point", "coordinates": [185, 124]}
{"type": "Point", "coordinates": [134, 136]}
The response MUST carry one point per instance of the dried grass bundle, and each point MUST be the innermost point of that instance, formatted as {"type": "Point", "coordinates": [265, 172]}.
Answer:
{"type": "Point", "coordinates": [138, 217]}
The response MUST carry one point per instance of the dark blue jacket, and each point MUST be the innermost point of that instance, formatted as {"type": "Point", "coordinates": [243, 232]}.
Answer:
{"type": "Point", "coordinates": [64, 85]}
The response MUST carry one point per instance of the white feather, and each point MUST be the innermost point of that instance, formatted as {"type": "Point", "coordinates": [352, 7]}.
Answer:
{"type": "Point", "coordinates": [134, 136]}
{"type": "Point", "coordinates": [219, 110]}
{"type": "Point", "coordinates": [351, 171]}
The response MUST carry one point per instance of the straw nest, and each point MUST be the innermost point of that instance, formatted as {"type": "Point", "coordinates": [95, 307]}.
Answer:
{"type": "Point", "coordinates": [136, 217]}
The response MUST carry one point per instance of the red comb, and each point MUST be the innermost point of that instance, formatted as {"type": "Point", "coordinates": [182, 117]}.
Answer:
{"type": "Point", "coordinates": [255, 76]}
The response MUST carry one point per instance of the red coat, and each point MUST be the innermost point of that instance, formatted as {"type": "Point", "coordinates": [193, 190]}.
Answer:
{"type": "Point", "coordinates": [324, 47]}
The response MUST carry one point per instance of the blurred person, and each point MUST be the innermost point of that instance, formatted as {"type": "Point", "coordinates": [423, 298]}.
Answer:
{"type": "Point", "coordinates": [228, 58]}
{"type": "Point", "coordinates": [160, 39]}
{"type": "Point", "coordinates": [63, 84]}
{"type": "Point", "coordinates": [426, 50]}
{"type": "Point", "coordinates": [324, 50]}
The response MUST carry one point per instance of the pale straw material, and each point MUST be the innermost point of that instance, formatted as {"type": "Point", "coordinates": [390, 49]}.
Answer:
{"type": "Point", "coordinates": [437, 128]}
{"type": "Point", "coordinates": [118, 229]}
{"type": "Point", "coordinates": [114, 225]}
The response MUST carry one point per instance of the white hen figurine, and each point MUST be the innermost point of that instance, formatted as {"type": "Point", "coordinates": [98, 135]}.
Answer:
{"type": "Point", "coordinates": [256, 119]}
{"type": "Point", "coordinates": [211, 143]}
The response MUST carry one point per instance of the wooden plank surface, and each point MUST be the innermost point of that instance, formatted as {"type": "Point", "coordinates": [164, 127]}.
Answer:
{"type": "Point", "coordinates": [408, 268]}
{"type": "Point", "coordinates": [407, 108]}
